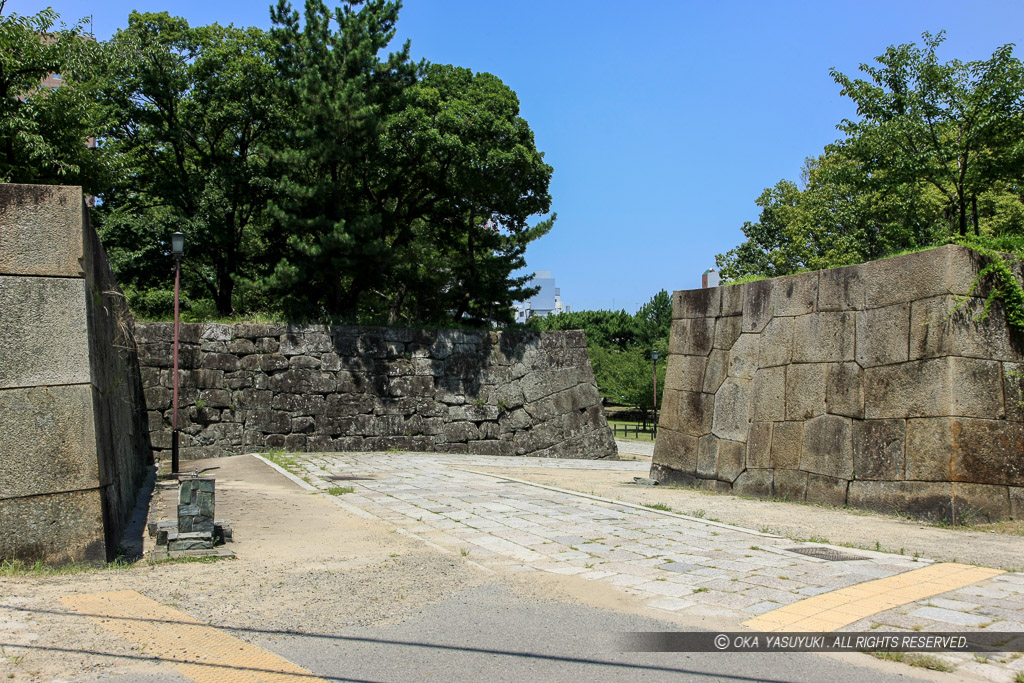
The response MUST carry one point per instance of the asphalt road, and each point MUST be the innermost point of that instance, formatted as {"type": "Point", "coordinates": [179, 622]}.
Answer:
{"type": "Point", "coordinates": [490, 633]}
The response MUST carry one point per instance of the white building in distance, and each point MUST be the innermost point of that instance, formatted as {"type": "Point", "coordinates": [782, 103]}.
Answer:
{"type": "Point", "coordinates": [548, 301]}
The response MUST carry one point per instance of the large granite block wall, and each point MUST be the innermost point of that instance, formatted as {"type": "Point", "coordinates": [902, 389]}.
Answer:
{"type": "Point", "coordinates": [74, 443]}
{"type": "Point", "coordinates": [248, 387]}
{"type": "Point", "coordinates": [876, 386]}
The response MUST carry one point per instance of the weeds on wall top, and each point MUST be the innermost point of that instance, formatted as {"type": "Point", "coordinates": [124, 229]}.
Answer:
{"type": "Point", "coordinates": [1001, 254]}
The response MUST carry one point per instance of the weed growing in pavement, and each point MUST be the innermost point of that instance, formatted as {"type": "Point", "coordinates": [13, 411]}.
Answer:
{"type": "Point", "coordinates": [464, 552]}
{"type": "Point", "coordinates": [13, 659]}
{"type": "Point", "coordinates": [283, 460]}
{"type": "Point", "coordinates": [1019, 678]}
{"type": "Point", "coordinates": [340, 490]}
{"type": "Point", "coordinates": [922, 661]}
{"type": "Point", "coordinates": [700, 590]}
{"type": "Point", "coordinates": [658, 506]}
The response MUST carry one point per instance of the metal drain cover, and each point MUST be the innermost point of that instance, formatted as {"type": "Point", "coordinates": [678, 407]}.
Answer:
{"type": "Point", "coordinates": [823, 553]}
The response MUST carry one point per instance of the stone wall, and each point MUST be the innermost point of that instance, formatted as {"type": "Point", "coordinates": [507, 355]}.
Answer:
{"type": "Point", "coordinates": [74, 445]}
{"type": "Point", "coordinates": [247, 387]}
{"type": "Point", "coordinates": [875, 386]}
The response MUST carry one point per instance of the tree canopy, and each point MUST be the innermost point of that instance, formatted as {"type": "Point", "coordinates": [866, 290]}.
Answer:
{"type": "Point", "coordinates": [936, 151]}
{"type": "Point", "coordinates": [315, 174]}
{"type": "Point", "coordinates": [43, 130]}
{"type": "Point", "coordinates": [414, 182]}
{"type": "Point", "coordinates": [191, 114]}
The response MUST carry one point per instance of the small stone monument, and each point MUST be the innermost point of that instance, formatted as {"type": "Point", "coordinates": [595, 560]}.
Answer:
{"type": "Point", "coordinates": [195, 515]}
{"type": "Point", "coordinates": [196, 529]}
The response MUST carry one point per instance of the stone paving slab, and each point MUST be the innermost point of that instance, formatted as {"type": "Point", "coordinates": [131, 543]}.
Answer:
{"type": "Point", "coordinates": [671, 561]}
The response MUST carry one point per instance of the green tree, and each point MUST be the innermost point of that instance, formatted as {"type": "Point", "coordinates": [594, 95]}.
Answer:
{"type": "Point", "coordinates": [843, 215]}
{"type": "Point", "coordinates": [654, 320]}
{"type": "Point", "coordinates": [606, 329]}
{"type": "Point", "coordinates": [620, 346]}
{"type": "Point", "coordinates": [407, 190]}
{"type": "Point", "coordinates": [340, 93]}
{"type": "Point", "coordinates": [937, 148]}
{"type": "Point", "coordinates": [626, 376]}
{"type": "Point", "coordinates": [464, 170]}
{"type": "Point", "coordinates": [772, 247]}
{"type": "Point", "coordinates": [43, 131]}
{"type": "Point", "coordinates": [190, 113]}
{"type": "Point", "coordinates": [956, 125]}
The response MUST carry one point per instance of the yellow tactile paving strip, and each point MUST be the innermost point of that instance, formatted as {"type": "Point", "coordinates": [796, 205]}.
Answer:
{"type": "Point", "coordinates": [831, 611]}
{"type": "Point", "coordinates": [203, 653]}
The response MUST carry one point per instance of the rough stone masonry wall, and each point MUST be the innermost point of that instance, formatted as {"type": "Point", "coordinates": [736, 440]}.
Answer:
{"type": "Point", "coordinates": [247, 387]}
{"type": "Point", "coordinates": [874, 386]}
{"type": "Point", "coordinates": [73, 443]}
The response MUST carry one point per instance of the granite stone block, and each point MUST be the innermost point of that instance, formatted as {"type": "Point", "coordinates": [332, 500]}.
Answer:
{"type": "Point", "coordinates": [882, 335]}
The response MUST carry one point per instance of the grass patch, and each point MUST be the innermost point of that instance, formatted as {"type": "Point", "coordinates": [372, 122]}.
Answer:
{"type": "Point", "coordinates": [340, 490]}
{"type": "Point", "coordinates": [288, 462]}
{"type": "Point", "coordinates": [659, 506]}
{"type": "Point", "coordinates": [189, 559]}
{"type": "Point", "coordinates": [747, 278]}
{"type": "Point", "coordinates": [20, 568]}
{"type": "Point", "coordinates": [1009, 527]}
{"type": "Point", "coordinates": [12, 568]}
{"type": "Point", "coordinates": [921, 661]}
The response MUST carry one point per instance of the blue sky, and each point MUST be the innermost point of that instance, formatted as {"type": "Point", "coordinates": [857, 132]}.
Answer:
{"type": "Point", "coordinates": [663, 123]}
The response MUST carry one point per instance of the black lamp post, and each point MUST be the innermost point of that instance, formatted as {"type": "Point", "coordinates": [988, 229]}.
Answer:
{"type": "Point", "coordinates": [654, 357]}
{"type": "Point", "coordinates": [177, 248]}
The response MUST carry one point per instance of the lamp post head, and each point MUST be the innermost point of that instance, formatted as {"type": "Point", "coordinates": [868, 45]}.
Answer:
{"type": "Point", "coordinates": [654, 355]}
{"type": "Point", "coordinates": [177, 244]}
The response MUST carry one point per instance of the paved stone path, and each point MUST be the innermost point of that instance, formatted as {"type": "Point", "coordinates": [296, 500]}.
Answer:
{"type": "Point", "coordinates": [671, 561]}
{"type": "Point", "coordinates": [645, 448]}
